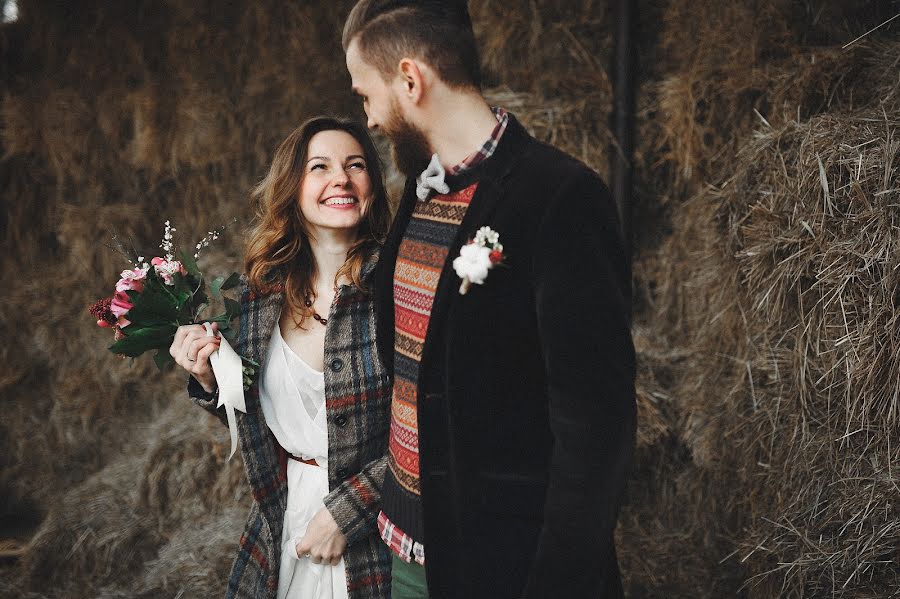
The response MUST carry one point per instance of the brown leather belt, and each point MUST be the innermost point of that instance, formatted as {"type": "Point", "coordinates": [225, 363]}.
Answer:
{"type": "Point", "coordinates": [311, 461]}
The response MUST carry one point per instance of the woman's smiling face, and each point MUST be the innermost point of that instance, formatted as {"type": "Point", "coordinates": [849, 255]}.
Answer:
{"type": "Point", "coordinates": [336, 189]}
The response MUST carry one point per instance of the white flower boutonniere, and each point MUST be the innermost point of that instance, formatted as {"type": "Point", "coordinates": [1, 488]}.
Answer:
{"type": "Point", "coordinates": [477, 257]}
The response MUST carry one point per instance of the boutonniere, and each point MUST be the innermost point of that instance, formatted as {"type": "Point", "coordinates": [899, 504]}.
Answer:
{"type": "Point", "coordinates": [477, 257]}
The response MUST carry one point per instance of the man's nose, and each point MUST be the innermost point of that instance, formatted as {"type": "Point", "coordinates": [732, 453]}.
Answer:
{"type": "Point", "coordinates": [370, 123]}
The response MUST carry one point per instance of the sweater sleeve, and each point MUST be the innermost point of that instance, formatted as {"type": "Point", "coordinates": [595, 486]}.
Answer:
{"type": "Point", "coordinates": [355, 504]}
{"type": "Point", "coordinates": [582, 291]}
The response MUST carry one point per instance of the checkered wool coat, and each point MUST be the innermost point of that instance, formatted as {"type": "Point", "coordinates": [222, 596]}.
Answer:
{"type": "Point", "coordinates": [357, 400]}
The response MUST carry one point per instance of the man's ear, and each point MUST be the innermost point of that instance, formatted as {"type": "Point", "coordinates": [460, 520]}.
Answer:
{"type": "Point", "coordinates": [413, 79]}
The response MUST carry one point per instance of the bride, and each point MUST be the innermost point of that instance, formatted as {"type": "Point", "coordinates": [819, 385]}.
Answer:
{"type": "Point", "coordinates": [314, 437]}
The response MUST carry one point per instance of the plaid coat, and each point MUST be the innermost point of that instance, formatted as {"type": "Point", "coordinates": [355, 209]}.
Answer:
{"type": "Point", "coordinates": [357, 401]}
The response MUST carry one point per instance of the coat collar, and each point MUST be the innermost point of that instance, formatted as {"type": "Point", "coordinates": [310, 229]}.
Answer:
{"type": "Point", "coordinates": [261, 312]}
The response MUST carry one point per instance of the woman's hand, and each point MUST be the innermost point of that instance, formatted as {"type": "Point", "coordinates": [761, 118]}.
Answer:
{"type": "Point", "coordinates": [323, 543]}
{"type": "Point", "coordinates": [192, 349]}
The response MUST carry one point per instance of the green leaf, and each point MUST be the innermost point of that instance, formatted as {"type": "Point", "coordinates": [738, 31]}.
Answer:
{"type": "Point", "coordinates": [163, 359]}
{"type": "Point", "coordinates": [221, 284]}
{"type": "Point", "coordinates": [153, 306]}
{"type": "Point", "coordinates": [190, 264]}
{"type": "Point", "coordinates": [144, 339]}
{"type": "Point", "coordinates": [233, 280]}
{"type": "Point", "coordinates": [216, 286]}
{"type": "Point", "coordinates": [232, 308]}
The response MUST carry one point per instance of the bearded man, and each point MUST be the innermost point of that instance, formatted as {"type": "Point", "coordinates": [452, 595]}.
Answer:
{"type": "Point", "coordinates": [503, 295]}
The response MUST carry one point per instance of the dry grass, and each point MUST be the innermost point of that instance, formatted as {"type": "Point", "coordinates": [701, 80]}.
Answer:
{"type": "Point", "coordinates": [765, 327]}
{"type": "Point", "coordinates": [788, 313]}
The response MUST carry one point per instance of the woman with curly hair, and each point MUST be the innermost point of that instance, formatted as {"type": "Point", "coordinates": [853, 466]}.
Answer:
{"type": "Point", "coordinates": [314, 436]}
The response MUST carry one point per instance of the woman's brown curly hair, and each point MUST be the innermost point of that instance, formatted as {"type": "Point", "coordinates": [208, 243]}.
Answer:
{"type": "Point", "coordinates": [278, 250]}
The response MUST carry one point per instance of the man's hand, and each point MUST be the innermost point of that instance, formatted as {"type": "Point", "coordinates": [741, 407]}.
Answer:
{"type": "Point", "coordinates": [323, 543]}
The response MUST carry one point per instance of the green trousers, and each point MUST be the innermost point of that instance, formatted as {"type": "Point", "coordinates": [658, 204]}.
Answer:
{"type": "Point", "coordinates": [408, 580]}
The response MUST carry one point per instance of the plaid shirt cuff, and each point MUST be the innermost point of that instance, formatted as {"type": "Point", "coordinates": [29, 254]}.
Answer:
{"type": "Point", "coordinates": [400, 543]}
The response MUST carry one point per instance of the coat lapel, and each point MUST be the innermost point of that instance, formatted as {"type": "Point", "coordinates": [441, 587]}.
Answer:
{"type": "Point", "coordinates": [259, 316]}
{"type": "Point", "coordinates": [261, 454]}
{"type": "Point", "coordinates": [491, 177]}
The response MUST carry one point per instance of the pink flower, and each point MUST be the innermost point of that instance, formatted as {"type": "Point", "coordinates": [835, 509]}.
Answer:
{"type": "Point", "coordinates": [120, 306]}
{"type": "Point", "coordinates": [132, 280]}
{"type": "Point", "coordinates": [166, 269]}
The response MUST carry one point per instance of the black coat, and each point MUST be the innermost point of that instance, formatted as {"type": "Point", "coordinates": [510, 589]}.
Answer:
{"type": "Point", "coordinates": [526, 393]}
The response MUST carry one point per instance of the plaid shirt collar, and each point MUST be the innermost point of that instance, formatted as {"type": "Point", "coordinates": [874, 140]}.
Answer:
{"type": "Point", "coordinates": [488, 147]}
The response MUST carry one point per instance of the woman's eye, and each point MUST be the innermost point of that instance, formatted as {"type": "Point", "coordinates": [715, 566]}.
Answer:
{"type": "Point", "coordinates": [315, 166]}
{"type": "Point", "coordinates": [358, 165]}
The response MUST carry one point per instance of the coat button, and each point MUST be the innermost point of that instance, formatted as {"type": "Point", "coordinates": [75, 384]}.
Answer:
{"type": "Point", "coordinates": [337, 365]}
{"type": "Point", "coordinates": [341, 420]}
{"type": "Point", "coordinates": [342, 472]}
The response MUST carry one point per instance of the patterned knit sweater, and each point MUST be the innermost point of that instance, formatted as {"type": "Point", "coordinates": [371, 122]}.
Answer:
{"type": "Point", "coordinates": [421, 258]}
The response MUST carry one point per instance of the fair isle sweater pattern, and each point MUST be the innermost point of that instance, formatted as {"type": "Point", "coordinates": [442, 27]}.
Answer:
{"type": "Point", "coordinates": [420, 260]}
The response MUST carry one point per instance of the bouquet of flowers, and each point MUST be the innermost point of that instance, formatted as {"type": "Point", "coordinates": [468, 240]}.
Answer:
{"type": "Point", "coordinates": [152, 300]}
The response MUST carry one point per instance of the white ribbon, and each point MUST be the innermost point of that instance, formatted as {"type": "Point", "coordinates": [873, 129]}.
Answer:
{"type": "Point", "coordinates": [227, 367]}
{"type": "Point", "coordinates": [431, 178]}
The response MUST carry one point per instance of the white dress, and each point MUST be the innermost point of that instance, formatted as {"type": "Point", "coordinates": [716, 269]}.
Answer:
{"type": "Point", "coordinates": [292, 398]}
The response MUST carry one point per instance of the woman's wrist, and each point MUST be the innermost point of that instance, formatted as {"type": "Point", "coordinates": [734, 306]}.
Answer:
{"type": "Point", "coordinates": [209, 385]}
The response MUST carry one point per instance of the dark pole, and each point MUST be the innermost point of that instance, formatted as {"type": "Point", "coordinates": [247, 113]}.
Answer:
{"type": "Point", "coordinates": [623, 117]}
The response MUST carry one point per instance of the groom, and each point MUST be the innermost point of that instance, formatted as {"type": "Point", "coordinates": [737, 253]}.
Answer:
{"type": "Point", "coordinates": [503, 300]}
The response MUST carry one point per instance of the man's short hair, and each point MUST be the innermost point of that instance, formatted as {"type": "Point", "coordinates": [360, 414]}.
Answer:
{"type": "Point", "coordinates": [438, 32]}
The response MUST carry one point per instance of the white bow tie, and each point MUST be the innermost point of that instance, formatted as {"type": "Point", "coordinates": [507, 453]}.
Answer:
{"type": "Point", "coordinates": [431, 178]}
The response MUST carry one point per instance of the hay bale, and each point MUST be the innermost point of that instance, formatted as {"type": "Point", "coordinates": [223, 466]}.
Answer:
{"type": "Point", "coordinates": [117, 118]}
{"type": "Point", "coordinates": [719, 91]}
{"type": "Point", "coordinates": [196, 560]}
{"type": "Point", "coordinates": [790, 384]}
{"type": "Point", "coordinates": [141, 513]}
{"type": "Point", "coordinates": [92, 534]}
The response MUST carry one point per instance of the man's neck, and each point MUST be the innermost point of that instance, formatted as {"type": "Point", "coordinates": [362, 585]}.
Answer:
{"type": "Point", "coordinates": [461, 124]}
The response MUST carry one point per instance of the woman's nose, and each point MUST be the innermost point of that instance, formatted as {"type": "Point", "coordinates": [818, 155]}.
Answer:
{"type": "Point", "coordinates": [341, 179]}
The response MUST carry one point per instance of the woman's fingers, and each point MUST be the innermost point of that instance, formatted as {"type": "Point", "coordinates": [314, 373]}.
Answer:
{"type": "Point", "coordinates": [323, 541]}
{"type": "Point", "coordinates": [302, 548]}
{"type": "Point", "coordinates": [191, 349]}
{"type": "Point", "coordinates": [198, 344]}
{"type": "Point", "coordinates": [201, 365]}
{"type": "Point", "coordinates": [183, 336]}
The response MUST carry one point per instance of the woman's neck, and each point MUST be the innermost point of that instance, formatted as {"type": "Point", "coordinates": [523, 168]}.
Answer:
{"type": "Point", "coordinates": [330, 249]}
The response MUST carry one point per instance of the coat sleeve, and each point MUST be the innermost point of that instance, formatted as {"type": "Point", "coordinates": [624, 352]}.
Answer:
{"type": "Point", "coordinates": [205, 400]}
{"type": "Point", "coordinates": [355, 504]}
{"type": "Point", "coordinates": [195, 390]}
{"type": "Point", "coordinates": [582, 298]}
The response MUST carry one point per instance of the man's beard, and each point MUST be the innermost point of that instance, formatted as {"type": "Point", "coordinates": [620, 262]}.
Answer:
{"type": "Point", "coordinates": [409, 148]}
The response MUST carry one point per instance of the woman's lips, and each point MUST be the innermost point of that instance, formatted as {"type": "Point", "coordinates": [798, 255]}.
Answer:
{"type": "Point", "coordinates": [341, 203]}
